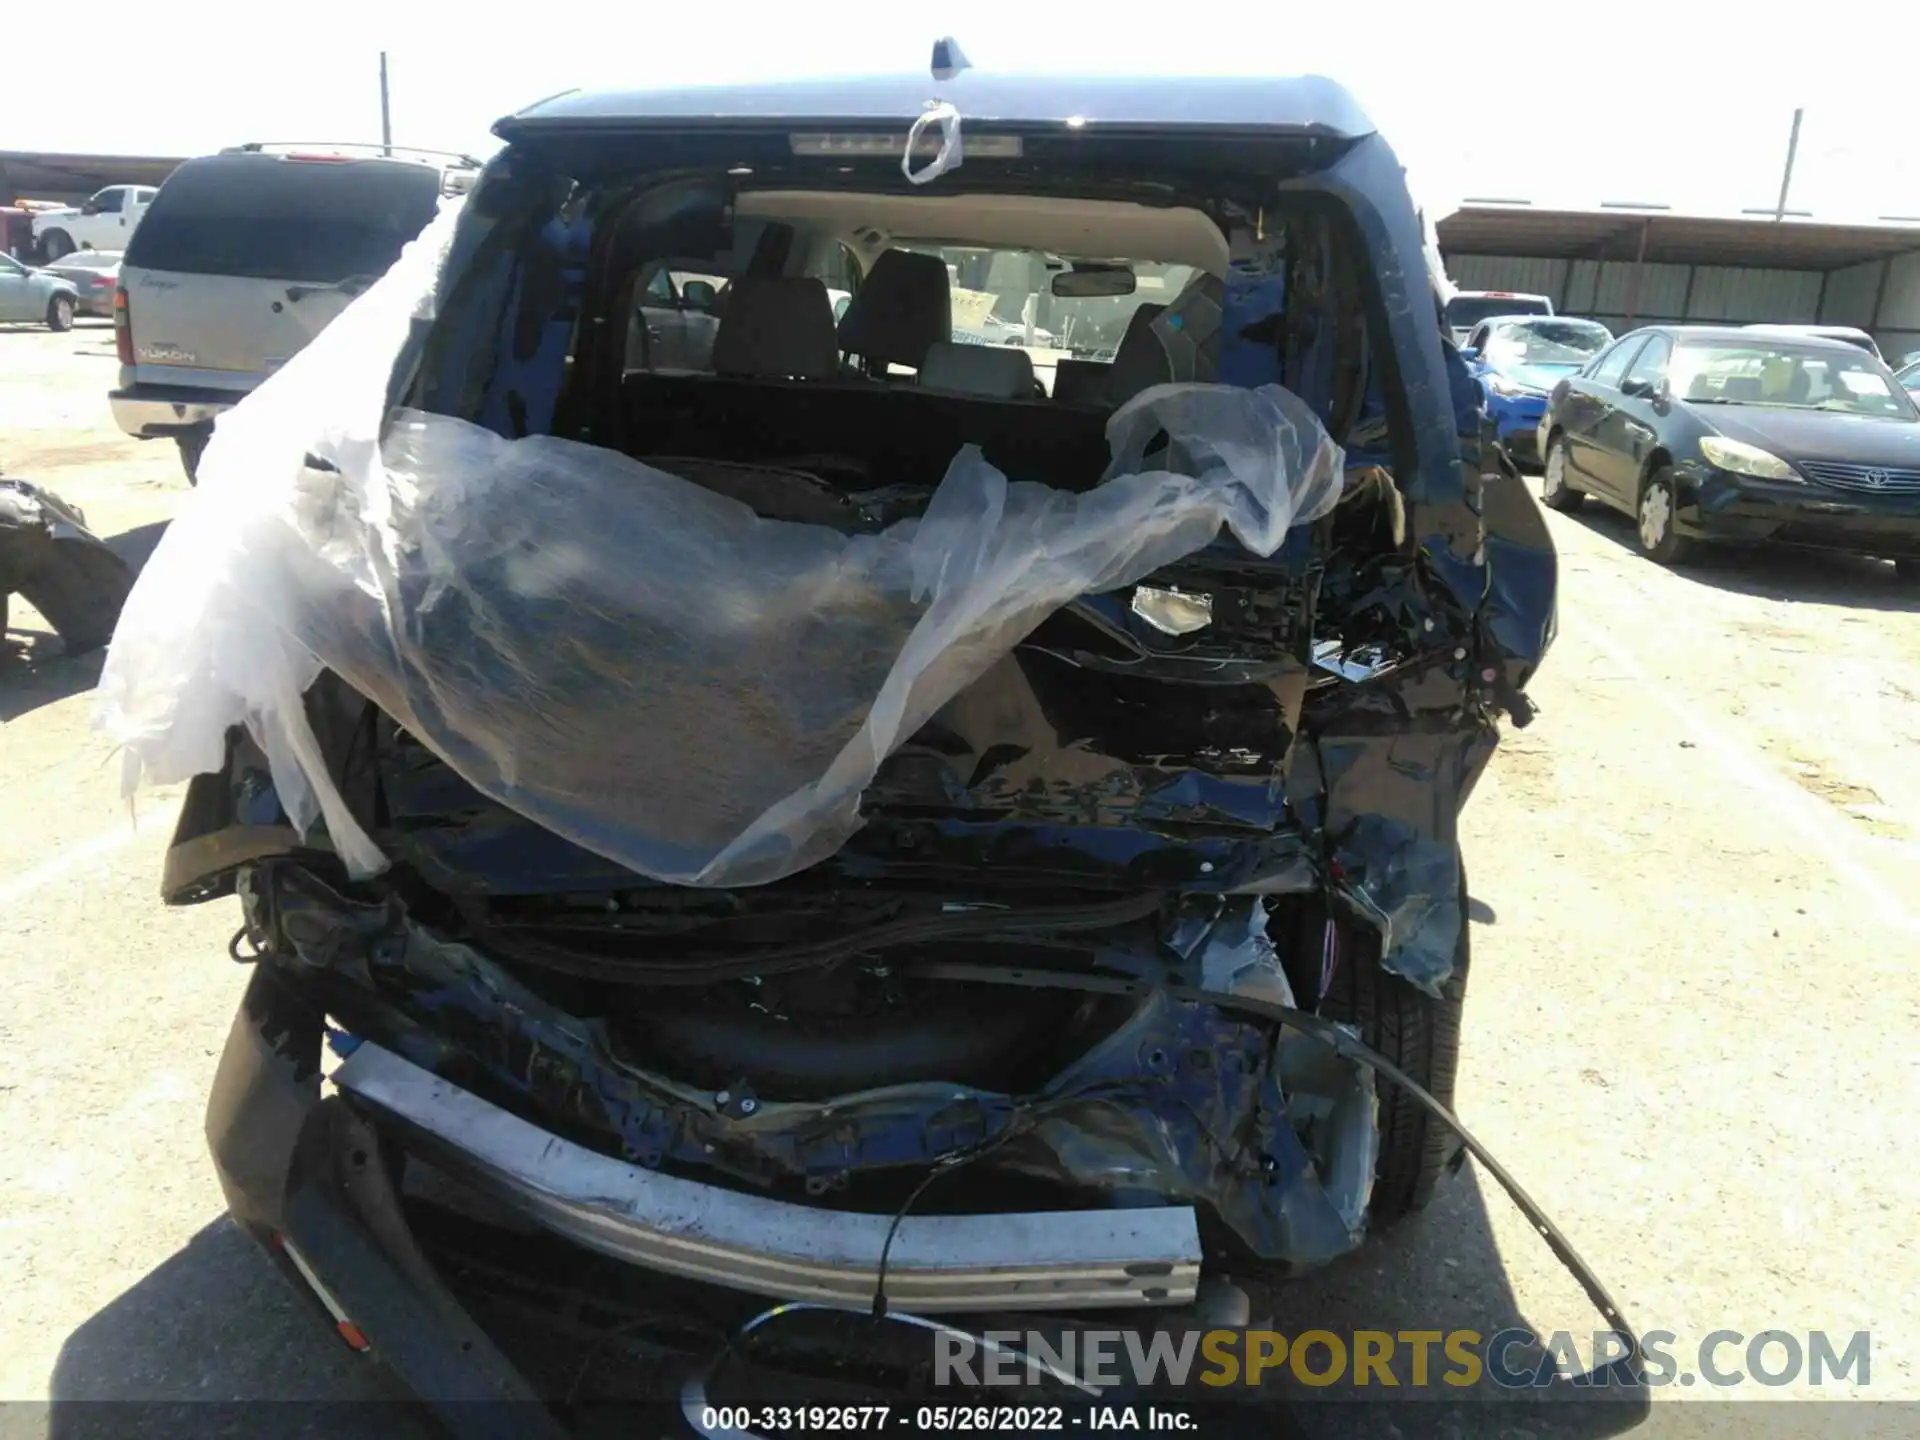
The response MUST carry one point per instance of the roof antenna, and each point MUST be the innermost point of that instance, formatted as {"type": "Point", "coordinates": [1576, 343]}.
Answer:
{"type": "Point", "coordinates": [948, 58]}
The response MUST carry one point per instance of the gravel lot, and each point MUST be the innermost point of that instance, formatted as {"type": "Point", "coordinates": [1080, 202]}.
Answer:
{"type": "Point", "coordinates": [1691, 1030]}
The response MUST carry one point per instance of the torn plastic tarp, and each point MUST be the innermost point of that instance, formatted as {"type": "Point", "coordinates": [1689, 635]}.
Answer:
{"type": "Point", "coordinates": [637, 663]}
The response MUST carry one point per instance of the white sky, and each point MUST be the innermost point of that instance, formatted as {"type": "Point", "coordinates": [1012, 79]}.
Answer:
{"type": "Point", "coordinates": [1672, 101]}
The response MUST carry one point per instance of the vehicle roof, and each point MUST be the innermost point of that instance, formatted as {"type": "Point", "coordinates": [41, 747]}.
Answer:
{"type": "Point", "coordinates": [1734, 334]}
{"type": "Point", "coordinates": [1525, 317]}
{"type": "Point", "coordinates": [1498, 295]}
{"type": "Point", "coordinates": [1816, 329]}
{"type": "Point", "coordinates": [1306, 102]}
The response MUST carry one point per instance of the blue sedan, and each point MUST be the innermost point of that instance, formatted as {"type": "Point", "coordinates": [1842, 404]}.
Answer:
{"type": "Point", "coordinates": [1518, 359]}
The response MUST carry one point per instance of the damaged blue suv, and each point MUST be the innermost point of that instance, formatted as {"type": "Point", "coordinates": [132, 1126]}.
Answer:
{"type": "Point", "coordinates": [623, 1066]}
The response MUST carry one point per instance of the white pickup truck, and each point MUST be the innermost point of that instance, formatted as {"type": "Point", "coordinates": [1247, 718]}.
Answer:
{"type": "Point", "coordinates": [103, 221]}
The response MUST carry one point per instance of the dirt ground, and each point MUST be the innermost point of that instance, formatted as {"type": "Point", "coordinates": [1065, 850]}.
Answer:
{"type": "Point", "coordinates": [1690, 1029]}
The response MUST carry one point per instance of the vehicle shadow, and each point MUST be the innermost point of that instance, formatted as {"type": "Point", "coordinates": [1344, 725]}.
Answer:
{"type": "Point", "coordinates": [215, 1342]}
{"type": "Point", "coordinates": [1441, 1271]}
{"type": "Point", "coordinates": [135, 546]}
{"type": "Point", "coordinates": [36, 670]}
{"type": "Point", "coordinates": [1851, 582]}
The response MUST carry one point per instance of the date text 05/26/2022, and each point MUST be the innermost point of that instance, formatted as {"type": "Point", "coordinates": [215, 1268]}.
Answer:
{"type": "Point", "coordinates": [929, 1419]}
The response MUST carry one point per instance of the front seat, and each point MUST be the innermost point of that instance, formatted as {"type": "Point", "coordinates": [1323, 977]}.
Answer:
{"type": "Point", "coordinates": [776, 327]}
{"type": "Point", "coordinates": [903, 308]}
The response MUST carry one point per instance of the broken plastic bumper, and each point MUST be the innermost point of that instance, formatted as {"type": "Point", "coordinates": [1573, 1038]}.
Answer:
{"type": "Point", "coordinates": [937, 1263]}
{"type": "Point", "coordinates": [1516, 422]}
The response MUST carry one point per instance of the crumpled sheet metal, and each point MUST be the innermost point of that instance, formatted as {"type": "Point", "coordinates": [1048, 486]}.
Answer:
{"type": "Point", "coordinates": [637, 663]}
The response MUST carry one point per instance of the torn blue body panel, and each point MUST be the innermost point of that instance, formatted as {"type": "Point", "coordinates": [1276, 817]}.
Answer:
{"type": "Point", "coordinates": [1175, 1104]}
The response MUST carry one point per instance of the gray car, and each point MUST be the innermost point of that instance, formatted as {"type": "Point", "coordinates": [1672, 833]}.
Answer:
{"type": "Point", "coordinates": [36, 295]}
{"type": "Point", "coordinates": [94, 275]}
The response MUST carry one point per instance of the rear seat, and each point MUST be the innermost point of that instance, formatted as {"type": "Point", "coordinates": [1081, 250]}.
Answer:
{"type": "Point", "coordinates": [776, 327]}
{"type": "Point", "coordinates": [1000, 371]}
{"type": "Point", "coordinates": [893, 434]}
{"type": "Point", "coordinates": [779, 398]}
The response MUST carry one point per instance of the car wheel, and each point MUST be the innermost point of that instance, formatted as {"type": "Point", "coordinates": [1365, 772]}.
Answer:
{"type": "Point", "coordinates": [60, 313]}
{"type": "Point", "coordinates": [1654, 520]}
{"type": "Point", "coordinates": [1555, 492]}
{"type": "Point", "coordinates": [57, 244]}
{"type": "Point", "coordinates": [193, 445]}
{"type": "Point", "coordinates": [1421, 1035]}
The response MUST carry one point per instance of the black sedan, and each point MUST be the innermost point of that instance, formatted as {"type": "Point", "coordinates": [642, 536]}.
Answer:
{"type": "Point", "coordinates": [1723, 434]}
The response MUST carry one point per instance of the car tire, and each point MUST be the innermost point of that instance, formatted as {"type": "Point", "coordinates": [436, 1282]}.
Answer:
{"type": "Point", "coordinates": [1421, 1035]}
{"type": "Point", "coordinates": [1555, 492]}
{"type": "Point", "coordinates": [1653, 519]}
{"type": "Point", "coordinates": [193, 444]}
{"type": "Point", "coordinates": [56, 245]}
{"type": "Point", "coordinates": [60, 313]}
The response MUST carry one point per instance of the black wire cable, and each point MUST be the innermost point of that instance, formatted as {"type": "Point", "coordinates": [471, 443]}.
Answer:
{"type": "Point", "coordinates": [1348, 1047]}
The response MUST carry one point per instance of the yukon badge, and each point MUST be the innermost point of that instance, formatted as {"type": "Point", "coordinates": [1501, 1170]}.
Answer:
{"type": "Point", "coordinates": [164, 354]}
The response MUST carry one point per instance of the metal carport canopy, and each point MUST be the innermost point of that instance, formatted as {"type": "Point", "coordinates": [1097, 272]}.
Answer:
{"type": "Point", "coordinates": [1618, 234]}
{"type": "Point", "coordinates": [42, 174]}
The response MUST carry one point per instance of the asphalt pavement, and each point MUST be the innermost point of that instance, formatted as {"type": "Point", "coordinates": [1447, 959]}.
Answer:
{"type": "Point", "coordinates": [1690, 1029]}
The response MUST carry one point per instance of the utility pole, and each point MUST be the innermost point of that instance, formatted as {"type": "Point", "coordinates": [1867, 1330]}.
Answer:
{"type": "Point", "coordinates": [1786, 177]}
{"type": "Point", "coordinates": [386, 119]}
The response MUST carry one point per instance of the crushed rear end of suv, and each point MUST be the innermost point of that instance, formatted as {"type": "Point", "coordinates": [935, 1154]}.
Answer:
{"type": "Point", "coordinates": [838, 816]}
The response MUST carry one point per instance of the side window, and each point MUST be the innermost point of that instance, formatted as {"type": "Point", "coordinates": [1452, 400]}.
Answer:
{"type": "Point", "coordinates": [1610, 367]}
{"type": "Point", "coordinates": [144, 195]}
{"type": "Point", "coordinates": [660, 288]}
{"type": "Point", "coordinates": [112, 201]}
{"type": "Point", "coordinates": [1651, 364]}
{"type": "Point", "coordinates": [1477, 339]}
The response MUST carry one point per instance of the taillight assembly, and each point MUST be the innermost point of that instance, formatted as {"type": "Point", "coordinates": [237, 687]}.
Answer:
{"type": "Point", "coordinates": [122, 325]}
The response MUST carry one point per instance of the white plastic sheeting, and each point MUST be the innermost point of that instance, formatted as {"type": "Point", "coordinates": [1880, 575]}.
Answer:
{"type": "Point", "coordinates": [643, 666]}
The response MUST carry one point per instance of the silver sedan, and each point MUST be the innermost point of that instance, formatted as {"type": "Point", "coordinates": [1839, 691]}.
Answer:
{"type": "Point", "coordinates": [36, 296]}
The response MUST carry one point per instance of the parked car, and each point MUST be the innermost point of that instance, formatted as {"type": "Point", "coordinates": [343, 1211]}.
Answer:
{"type": "Point", "coordinates": [244, 257]}
{"type": "Point", "coordinates": [1735, 435]}
{"type": "Point", "coordinates": [1468, 308]}
{"type": "Point", "coordinates": [94, 275]}
{"type": "Point", "coordinates": [36, 296]}
{"type": "Point", "coordinates": [679, 317]}
{"type": "Point", "coordinates": [106, 220]}
{"type": "Point", "coordinates": [1859, 339]}
{"type": "Point", "coordinates": [1518, 361]}
{"type": "Point", "coordinates": [1027, 985]}
{"type": "Point", "coordinates": [1909, 375]}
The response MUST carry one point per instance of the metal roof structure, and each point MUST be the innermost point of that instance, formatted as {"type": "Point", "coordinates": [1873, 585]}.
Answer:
{"type": "Point", "coordinates": [37, 174]}
{"type": "Point", "coordinates": [1659, 237]}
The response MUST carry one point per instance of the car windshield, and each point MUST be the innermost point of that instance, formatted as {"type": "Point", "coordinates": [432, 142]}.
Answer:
{"type": "Point", "coordinates": [1787, 377]}
{"type": "Point", "coordinates": [994, 291]}
{"type": "Point", "coordinates": [1547, 342]}
{"type": "Point", "coordinates": [1466, 311]}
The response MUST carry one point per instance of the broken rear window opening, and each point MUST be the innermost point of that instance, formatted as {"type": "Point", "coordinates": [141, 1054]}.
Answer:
{"type": "Point", "coordinates": [671, 711]}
